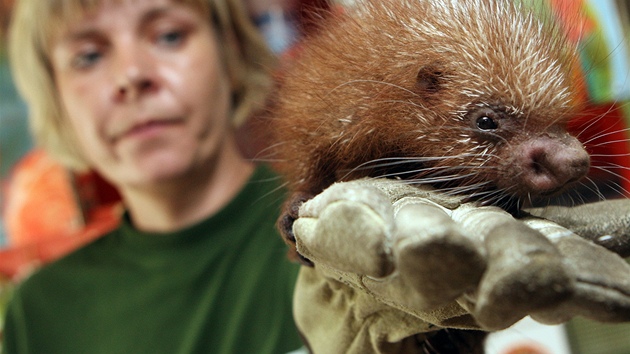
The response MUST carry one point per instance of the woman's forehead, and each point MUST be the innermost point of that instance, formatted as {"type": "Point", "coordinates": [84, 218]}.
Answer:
{"type": "Point", "coordinates": [66, 16]}
{"type": "Point", "coordinates": [65, 11]}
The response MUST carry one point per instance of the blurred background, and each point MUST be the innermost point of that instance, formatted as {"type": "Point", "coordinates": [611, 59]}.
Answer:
{"type": "Point", "coordinates": [46, 211]}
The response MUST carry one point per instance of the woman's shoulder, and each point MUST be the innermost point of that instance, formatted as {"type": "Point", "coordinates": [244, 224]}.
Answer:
{"type": "Point", "coordinates": [67, 268]}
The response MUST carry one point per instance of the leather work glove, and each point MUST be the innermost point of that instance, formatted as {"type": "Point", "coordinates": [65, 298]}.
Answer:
{"type": "Point", "coordinates": [606, 223]}
{"type": "Point", "coordinates": [393, 260]}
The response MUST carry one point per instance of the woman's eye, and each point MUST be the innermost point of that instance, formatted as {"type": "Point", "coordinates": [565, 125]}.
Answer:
{"type": "Point", "coordinates": [171, 38]}
{"type": "Point", "coordinates": [486, 123]}
{"type": "Point", "coordinates": [86, 59]}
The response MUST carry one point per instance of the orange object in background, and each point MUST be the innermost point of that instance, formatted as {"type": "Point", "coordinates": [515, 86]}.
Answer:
{"type": "Point", "coordinates": [603, 131]}
{"type": "Point", "coordinates": [49, 212]}
{"type": "Point", "coordinates": [40, 204]}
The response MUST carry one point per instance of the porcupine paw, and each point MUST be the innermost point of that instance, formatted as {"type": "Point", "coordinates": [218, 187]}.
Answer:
{"type": "Point", "coordinates": [449, 340]}
{"type": "Point", "coordinates": [285, 225]}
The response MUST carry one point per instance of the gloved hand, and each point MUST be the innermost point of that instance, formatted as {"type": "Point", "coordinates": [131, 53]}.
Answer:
{"type": "Point", "coordinates": [394, 260]}
{"type": "Point", "coordinates": [606, 222]}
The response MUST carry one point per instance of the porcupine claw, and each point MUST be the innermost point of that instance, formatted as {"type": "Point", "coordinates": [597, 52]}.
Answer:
{"type": "Point", "coordinates": [285, 225]}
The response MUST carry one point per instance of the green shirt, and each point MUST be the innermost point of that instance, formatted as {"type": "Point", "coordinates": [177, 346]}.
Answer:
{"type": "Point", "coordinates": [221, 286]}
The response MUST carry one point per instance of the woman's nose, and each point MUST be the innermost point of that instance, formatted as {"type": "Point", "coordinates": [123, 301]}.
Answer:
{"type": "Point", "coordinates": [134, 73]}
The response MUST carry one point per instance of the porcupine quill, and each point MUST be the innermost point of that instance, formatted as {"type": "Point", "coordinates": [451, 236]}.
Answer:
{"type": "Point", "coordinates": [472, 97]}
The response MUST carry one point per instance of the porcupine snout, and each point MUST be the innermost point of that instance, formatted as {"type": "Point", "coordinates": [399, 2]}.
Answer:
{"type": "Point", "coordinates": [551, 163]}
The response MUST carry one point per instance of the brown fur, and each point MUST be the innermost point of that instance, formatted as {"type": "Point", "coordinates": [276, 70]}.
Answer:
{"type": "Point", "coordinates": [403, 79]}
{"type": "Point", "coordinates": [400, 90]}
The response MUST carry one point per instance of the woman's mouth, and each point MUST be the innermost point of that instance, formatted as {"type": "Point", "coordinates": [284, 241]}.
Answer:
{"type": "Point", "coordinates": [147, 128]}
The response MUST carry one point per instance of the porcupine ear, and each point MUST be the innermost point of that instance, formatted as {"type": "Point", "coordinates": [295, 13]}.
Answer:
{"type": "Point", "coordinates": [429, 79]}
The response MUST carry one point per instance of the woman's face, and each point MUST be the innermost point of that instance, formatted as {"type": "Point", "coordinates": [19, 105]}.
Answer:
{"type": "Point", "coordinates": [144, 88]}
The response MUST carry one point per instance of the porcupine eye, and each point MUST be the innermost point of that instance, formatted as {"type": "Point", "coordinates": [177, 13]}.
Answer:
{"type": "Point", "coordinates": [486, 123]}
{"type": "Point", "coordinates": [484, 119]}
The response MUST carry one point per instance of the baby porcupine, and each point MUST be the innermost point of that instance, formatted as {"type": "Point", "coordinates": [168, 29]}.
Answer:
{"type": "Point", "coordinates": [471, 97]}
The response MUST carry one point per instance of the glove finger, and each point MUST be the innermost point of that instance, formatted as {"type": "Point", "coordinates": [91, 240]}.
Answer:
{"type": "Point", "coordinates": [525, 270]}
{"type": "Point", "coordinates": [349, 236]}
{"type": "Point", "coordinates": [606, 223]}
{"type": "Point", "coordinates": [434, 256]}
{"type": "Point", "coordinates": [602, 290]}
{"type": "Point", "coordinates": [359, 191]}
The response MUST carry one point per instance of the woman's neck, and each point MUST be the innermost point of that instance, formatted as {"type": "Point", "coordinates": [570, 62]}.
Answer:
{"type": "Point", "coordinates": [182, 202]}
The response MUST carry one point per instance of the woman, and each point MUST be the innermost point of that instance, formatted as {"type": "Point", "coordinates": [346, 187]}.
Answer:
{"type": "Point", "coordinates": [147, 93]}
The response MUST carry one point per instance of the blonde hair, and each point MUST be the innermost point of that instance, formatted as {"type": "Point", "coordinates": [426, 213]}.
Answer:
{"type": "Point", "coordinates": [246, 58]}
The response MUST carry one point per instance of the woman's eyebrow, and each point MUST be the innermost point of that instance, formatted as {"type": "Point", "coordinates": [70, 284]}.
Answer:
{"type": "Point", "coordinates": [90, 30]}
{"type": "Point", "coordinates": [155, 13]}
{"type": "Point", "coordinates": [80, 34]}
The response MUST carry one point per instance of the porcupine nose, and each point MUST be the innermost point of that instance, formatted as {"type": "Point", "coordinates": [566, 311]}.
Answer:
{"type": "Point", "coordinates": [551, 163]}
